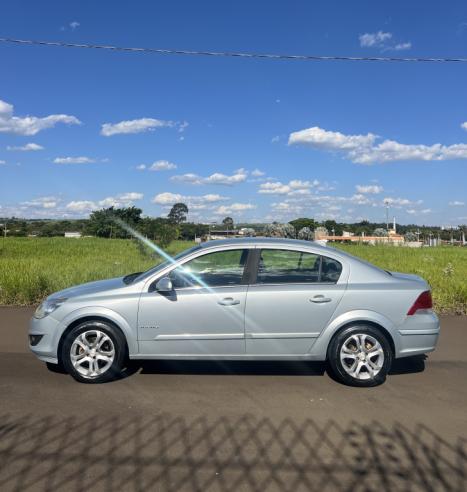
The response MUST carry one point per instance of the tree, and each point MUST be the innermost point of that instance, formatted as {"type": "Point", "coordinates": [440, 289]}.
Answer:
{"type": "Point", "coordinates": [188, 230]}
{"type": "Point", "coordinates": [102, 222]}
{"type": "Point", "coordinates": [305, 233]}
{"type": "Point", "coordinates": [410, 236]}
{"type": "Point", "coordinates": [177, 214]}
{"type": "Point", "coordinates": [279, 230]}
{"type": "Point", "coordinates": [380, 232]}
{"type": "Point", "coordinates": [228, 223]}
{"type": "Point", "coordinates": [303, 222]}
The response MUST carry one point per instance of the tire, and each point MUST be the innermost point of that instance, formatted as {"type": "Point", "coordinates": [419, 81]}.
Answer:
{"type": "Point", "coordinates": [57, 368]}
{"type": "Point", "coordinates": [94, 352]}
{"type": "Point", "coordinates": [350, 359]}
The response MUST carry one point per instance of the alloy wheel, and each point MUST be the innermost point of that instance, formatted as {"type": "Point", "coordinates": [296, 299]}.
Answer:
{"type": "Point", "coordinates": [92, 353]}
{"type": "Point", "coordinates": [362, 356]}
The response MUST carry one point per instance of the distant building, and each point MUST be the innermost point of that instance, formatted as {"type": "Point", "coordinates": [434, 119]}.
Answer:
{"type": "Point", "coordinates": [73, 234]}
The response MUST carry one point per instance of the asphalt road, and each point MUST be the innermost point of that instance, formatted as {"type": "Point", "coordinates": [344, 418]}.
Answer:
{"type": "Point", "coordinates": [233, 426]}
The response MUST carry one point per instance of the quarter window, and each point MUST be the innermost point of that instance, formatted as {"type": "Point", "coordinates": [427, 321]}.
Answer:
{"type": "Point", "coordinates": [222, 268]}
{"type": "Point", "coordinates": [278, 266]}
{"type": "Point", "coordinates": [330, 270]}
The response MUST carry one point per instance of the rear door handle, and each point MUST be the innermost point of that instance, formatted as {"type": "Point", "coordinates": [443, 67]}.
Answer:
{"type": "Point", "coordinates": [320, 299]}
{"type": "Point", "coordinates": [229, 301]}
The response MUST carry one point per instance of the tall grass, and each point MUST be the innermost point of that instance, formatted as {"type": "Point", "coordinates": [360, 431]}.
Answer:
{"type": "Point", "coordinates": [444, 267]}
{"type": "Point", "coordinates": [32, 268]}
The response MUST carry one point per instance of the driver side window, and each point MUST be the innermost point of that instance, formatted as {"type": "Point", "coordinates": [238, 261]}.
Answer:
{"type": "Point", "coordinates": [218, 269]}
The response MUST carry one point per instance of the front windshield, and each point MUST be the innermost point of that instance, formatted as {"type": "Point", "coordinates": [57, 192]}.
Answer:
{"type": "Point", "coordinates": [164, 264]}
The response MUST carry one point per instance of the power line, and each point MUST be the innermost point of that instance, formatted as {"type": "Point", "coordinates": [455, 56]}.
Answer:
{"type": "Point", "coordinates": [270, 56]}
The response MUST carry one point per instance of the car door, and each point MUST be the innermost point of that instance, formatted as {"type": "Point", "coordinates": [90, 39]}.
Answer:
{"type": "Point", "coordinates": [204, 314]}
{"type": "Point", "coordinates": [290, 301]}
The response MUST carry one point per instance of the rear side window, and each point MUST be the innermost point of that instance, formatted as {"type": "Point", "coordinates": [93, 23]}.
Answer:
{"type": "Point", "coordinates": [222, 268]}
{"type": "Point", "coordinates": [330, 270]}
{"type": "Point", "coordinates": [277, 266]}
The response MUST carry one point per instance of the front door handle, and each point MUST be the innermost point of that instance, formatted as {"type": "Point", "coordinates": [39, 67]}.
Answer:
{"type": "Point", "coordinates": [229, 301]}
{"type": "Point", "coordinates": [320, 299]}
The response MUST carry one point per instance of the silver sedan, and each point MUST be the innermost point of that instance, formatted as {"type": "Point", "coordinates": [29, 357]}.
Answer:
{"type": "Point", "coordinates": [244, 299]}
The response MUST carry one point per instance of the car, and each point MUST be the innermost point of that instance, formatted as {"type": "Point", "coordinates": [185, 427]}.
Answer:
{"type": "Point", "coordinates": [241, 299]}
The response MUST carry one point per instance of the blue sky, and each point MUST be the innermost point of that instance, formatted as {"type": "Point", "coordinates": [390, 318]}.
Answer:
{"type": "Point", "coordinates": [258, 140]}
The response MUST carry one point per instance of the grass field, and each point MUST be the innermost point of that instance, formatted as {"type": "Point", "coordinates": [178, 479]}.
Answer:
{"type": "Point", "coordinates": [31, 268]}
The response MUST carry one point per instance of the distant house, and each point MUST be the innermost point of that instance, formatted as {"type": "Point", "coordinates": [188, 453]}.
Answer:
{"type": "Point", "coordinates": [72, 234]}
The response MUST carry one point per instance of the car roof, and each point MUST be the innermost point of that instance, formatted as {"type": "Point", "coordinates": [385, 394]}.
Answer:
{"type": "Point", "coordinates": [263, 241]}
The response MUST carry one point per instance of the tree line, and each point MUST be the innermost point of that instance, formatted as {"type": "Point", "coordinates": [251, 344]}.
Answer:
{"type": "Point", "coordinates": [163, 230]}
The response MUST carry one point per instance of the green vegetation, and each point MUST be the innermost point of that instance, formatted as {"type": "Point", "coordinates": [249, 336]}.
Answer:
{"type": "Point", "coordinates": [31, 268]}
{"type": "Point", "coordinates": [444, 267]}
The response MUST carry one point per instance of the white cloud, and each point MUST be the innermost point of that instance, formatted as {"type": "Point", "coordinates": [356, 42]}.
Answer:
{"type": "Point", "coordinates": [168, 198]}
{"type": "Point", "coordinates": [73, 160]}
{"type": "Point", "coordinates": [134, 126]}
{"type": "Point", "coordinates": [234, 207]}
{"type": "Point", "coordinates": [456, 203]}
{"type": "Point", "coordinates": [275, 139]}
{"type": "Point", "coordinates": [81, 206]}
{"type": "Point", "coordinates": [371, 189]}
{"type": "Point", "coordinates": [74, 25]}
{"type": "Point", "coordinates": [413, 211]}
{"type": "Point", "coordinates": [327, 140]}
{"type": "Point", "coordinates": [374, 39]}
{"type": "Point", "coordinates": [362, 149]}
{"type": "Point", "coordinates": [122, 200]}
{"type": "Point", "coordinates": [403, 46]}
{"type": "Point", "coordinates": [381, 40]}
{"type": "Point", "coordinates": [2, 163]}
{"type": "Point", "coordinates": [162, 165]}
{"type": "Point", "coordinates": [30, 125]}
{"type": "Point", "coordinates": [257, 173]}
{"type": "Point", "coordinates": [182, 126]}
{"type": "Point", "coordinates": [44, 202]}
{"type": "Point", "coordinates": [293, 187]}
{"type": "Point", "coordinates": [464, 125]}
{"type": "Point", "coordinates": [131, 196]}
{"type": "Point", "coordinates": [26, 148]}
{"type": "Point", "coordinates": [360, 199]}
{"type": "Point", "coordinates": [214, 179]}
{"type": "Point", "coordinates": [400, 202]}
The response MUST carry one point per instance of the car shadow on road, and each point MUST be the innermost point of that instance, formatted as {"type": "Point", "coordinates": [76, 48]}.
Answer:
{"type": "Point", "coordinates": [406, 365]}
{"type": "Point", "coordinates": [127, 451]}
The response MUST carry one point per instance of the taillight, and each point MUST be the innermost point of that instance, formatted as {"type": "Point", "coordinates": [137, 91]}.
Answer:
{"type": "Point", "coordinates": [423, 301]}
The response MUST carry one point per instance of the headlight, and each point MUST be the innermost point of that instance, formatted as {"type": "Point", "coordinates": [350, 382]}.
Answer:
{"type": "Point", "coordinates": [48, 306]}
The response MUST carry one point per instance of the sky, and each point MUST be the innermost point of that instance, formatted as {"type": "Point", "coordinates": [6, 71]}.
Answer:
{"type": "Point", "coordinates": [257, 140]}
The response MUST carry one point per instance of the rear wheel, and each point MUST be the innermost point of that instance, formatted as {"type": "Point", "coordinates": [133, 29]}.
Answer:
{"type": "Point", "coordinates": [360, 356]}
{"type": "Point", "coordinates": [94, 352]}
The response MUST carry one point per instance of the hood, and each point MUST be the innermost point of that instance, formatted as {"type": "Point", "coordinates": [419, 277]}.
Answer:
{"type": "Point", "coordinates": [90, 288]}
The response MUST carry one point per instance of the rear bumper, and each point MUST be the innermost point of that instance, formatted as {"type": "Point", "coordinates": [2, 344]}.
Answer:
{"type": "Point", "coordinates": [418, 334]}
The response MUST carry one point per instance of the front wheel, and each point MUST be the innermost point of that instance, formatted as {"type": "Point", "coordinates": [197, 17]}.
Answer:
{"type": "Point", "coordinates": [94, 352]}
{"type": "Point", "coordinates": [360, 356]}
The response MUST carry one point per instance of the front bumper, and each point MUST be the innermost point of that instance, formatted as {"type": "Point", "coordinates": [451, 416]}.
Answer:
{"type": "Point", "coordinates": [418, 334]}
{"type": "Point", "coordinates": [46, 348]}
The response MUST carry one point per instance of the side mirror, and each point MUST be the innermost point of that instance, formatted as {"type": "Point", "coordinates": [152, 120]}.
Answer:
{"type": "Point", "coordinates": [164, 285]}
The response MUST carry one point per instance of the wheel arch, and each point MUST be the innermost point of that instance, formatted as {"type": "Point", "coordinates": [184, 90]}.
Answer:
{"type": "Point", "coordinates": [352, 318]}
{"type": "Point", "coordinates": [374, 324]}
{"type": "Point", "coordinates": [90, 317]}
